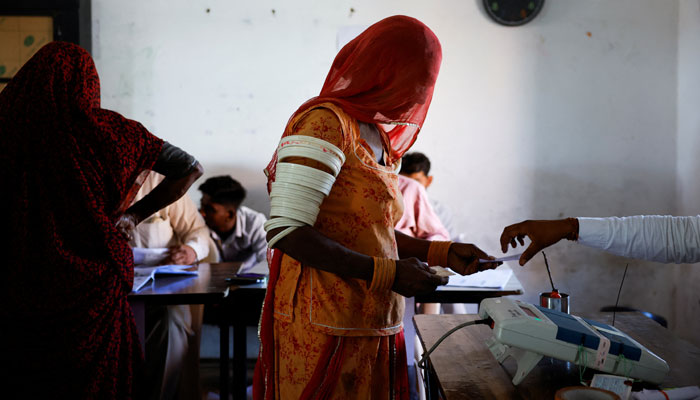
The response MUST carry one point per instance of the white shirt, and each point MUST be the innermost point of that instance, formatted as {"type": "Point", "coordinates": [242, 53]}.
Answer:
{"type": "Point", "coordinates": [660, 238]}
{"type": "Point", "coordinates": [248, 241]}
{"type": "Point", "coordinates": [178, 223]}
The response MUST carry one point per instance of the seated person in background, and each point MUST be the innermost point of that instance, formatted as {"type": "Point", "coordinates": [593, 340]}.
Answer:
{"type": "Point", "coordinates": [435, 217]}
{"type": "Point", "coordinates": [237, 230]}
{"type": "Point", "coordinates": [418, 219]}
{"type": "Point", "coordinates": [173, 332]}
{"type": "Point", "coordinates": [179, 227]}
{"type": "Point", "coordinates": [416, 166]}
{"type": "Point", "coordinates": [664, 239]}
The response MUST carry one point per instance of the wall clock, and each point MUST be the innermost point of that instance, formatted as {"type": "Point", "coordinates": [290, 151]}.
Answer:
{"type": "Point", "coordinates": [513, 12]}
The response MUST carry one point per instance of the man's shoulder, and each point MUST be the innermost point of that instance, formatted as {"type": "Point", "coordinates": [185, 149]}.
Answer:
{"type": "Point", "coordinates": [249, 211]}
{"type": "Point", "coordinates": [251, 215]}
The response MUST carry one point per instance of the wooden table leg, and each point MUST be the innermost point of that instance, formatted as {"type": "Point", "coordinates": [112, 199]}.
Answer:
{"type": "Point", "coordinates": [223, 362]}
{"type": "Point", "coordinates": [138, 309]}
{"type": "Point", "coordinates": [240, 345]}
{"type": "Point", "coordinates": [432, 390]}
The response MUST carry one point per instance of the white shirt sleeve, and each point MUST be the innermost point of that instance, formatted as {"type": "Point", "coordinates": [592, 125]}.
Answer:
{"type": "Point", "coordinates": [189, 226]}
{"type": "Point", "coordinates": [259, 238]}
{"type": "Point", "coordinates": [660, 238]}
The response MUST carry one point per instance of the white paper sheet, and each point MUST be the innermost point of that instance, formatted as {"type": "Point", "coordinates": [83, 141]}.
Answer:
{"type": "Point", "coordinates": [143, 275]}
{"type": "Point", "coordinates": [682, 393]}
{"type": "Point", "coordinates": [492, 278]}
{"type": "Point", "coordinates": [512, 257]}
{"type": "Point", "coordinates": [260, 268]}
{"type": "Point", "coordinates": [613, 383]}
{"type": "Point", "coordinates": [143, 256]}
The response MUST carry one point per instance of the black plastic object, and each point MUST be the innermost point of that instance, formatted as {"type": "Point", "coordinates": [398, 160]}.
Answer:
{"type": "Point", "coordinates": [513, 12]}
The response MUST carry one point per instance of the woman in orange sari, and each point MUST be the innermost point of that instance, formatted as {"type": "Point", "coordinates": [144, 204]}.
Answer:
{"type": "Point", "coordinates": [332, 320]}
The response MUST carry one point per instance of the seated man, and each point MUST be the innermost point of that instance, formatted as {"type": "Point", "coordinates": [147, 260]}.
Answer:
{"type": "Point", "coordinates": [173, 332]}
{"type": "Point", "coordinates": [237, 230]}
{"type": "Point", "coordinates": [417, 166]}
{"type": "Point", "coordinates": [418, 219]}
{"type": "Point", "coordinates": [432, 220]}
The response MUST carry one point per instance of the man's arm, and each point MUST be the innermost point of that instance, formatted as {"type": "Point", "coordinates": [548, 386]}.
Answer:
{"type": "Point", "coordinates": [658, 238]}
{"type": "Point", "coordinates": [190, 229]}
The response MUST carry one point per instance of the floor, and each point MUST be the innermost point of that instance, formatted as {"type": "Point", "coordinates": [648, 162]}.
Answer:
{"type": "Point", "coordinates": [209, 359]}
{"type": "Point", "coordinates": [209, 377]}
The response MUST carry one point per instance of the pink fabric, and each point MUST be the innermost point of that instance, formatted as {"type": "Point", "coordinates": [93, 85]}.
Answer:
{"type": "Point", "coordinates": [419, 219]}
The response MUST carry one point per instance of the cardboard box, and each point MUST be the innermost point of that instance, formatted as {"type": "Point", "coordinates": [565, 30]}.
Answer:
{"type": "Point", "coordinates": [9, 24]}
{"type": "Point", "coordinates": [8, 68]}
{"type": "Point", "coordinates": [20, 38]}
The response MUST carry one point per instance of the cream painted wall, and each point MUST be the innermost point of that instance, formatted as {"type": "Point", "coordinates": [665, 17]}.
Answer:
{"type": "Point", "coordinates": [573, 114]}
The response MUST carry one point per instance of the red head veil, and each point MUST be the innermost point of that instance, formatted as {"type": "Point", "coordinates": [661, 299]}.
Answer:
{"type": "Point", "coordinates": [385, 76]}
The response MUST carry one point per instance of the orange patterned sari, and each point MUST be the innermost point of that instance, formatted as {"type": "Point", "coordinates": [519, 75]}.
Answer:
{"type": "Point", "coordinates": [333, 338]}
{"type": "Point", "coordinates": [323, 336]}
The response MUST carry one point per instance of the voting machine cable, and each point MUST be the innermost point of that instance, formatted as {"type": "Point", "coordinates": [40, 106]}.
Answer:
{"type": "Point", "coordinates": [618, 293]}
{"type": "Point", "coordinates": [424, 357]}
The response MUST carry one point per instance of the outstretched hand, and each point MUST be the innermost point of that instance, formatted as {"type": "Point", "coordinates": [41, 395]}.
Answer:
{"type": "Point", "coordinates": [542, 234]}
{"type": "Point", "coordinates": [463, 258]}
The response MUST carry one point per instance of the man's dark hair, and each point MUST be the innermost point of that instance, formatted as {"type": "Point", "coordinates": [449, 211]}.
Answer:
{"type": "Point", "coordinates": [223, 190]}
{"type": "Point", "coordinates": [415, 162]}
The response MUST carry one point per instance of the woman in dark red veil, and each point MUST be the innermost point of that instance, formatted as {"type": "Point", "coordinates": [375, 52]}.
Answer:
{"type": "Point", "coordinates": [331, 326]}
{"type": "Point", "coordinates": [69, 168]}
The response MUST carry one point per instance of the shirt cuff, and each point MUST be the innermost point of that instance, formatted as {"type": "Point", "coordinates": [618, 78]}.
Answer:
{"type": "Point", "coordinates": [201, 250]}
{"type": "Point", "coordinates": [593, 232]}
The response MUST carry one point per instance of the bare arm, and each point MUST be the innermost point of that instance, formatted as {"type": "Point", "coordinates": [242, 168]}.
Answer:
{"type": "Point", "coordinates": [180, 170]}
{"type": "Point", "coordinates": [313, 249]}
{"type": "Point", "coordinates": [168, 191]}
{"type": "Point", "coordinates": [462, 257]}
{"type": "Point", "coordinates": [412, 247]}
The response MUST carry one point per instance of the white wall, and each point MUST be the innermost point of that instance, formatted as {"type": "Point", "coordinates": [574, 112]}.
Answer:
{"type": "Point", "coordinates": [539, 121]}
{"type": "Point", "coordinates": [687, 311]}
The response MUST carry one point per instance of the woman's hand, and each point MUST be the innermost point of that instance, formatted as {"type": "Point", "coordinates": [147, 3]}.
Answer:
{"type": "Point", "coordinates": [415, 277]}
{"type": "Point", "coordinates": [126, 225]}
{"type": "Point", "coordinates": [542, 234]}
{"type": "Point", "coordinates": [463, 258]}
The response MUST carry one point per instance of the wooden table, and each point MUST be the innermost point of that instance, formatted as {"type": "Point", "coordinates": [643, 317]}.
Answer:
{"type": "Point", "coordinates": [462, 367]}
{"type": "Point", "coordinates": [208, 287]}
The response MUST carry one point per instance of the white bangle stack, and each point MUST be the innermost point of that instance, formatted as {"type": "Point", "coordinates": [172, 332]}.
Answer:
{"type": "Point", "coordinates": [298, 190]}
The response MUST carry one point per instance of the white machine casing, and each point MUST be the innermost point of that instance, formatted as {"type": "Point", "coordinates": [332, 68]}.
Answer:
{"type": "Point", "coordinates": [527, 333]}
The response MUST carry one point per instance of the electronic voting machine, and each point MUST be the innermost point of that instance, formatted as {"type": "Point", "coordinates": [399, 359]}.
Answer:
{"type": "Point", "coordinates": [527, 333]}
